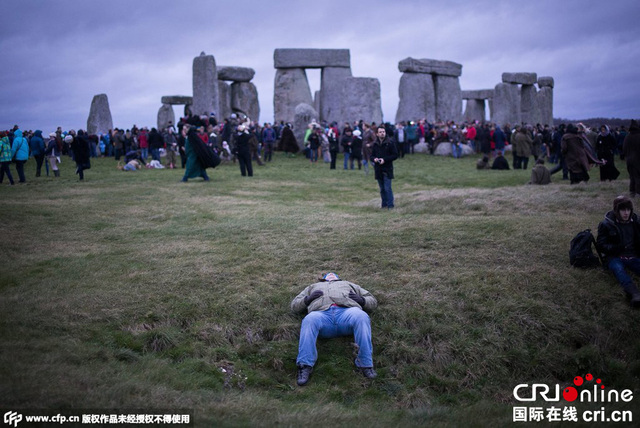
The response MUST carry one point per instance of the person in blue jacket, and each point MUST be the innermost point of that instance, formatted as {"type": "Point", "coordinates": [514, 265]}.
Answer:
{"type": "Point", "coordinates": [36, 144]}
{"type": "Point", "coordinates": [20, 149]}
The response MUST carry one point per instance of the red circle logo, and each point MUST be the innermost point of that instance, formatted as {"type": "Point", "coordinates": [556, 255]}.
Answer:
{"type": "Point", "coordinates": [570, 393]}
{"type": "Point", "coordinates": [577, 381]}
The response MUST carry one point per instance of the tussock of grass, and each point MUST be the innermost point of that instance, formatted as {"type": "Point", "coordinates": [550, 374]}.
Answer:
{"type": "Point", "coordinates": [137, 291]}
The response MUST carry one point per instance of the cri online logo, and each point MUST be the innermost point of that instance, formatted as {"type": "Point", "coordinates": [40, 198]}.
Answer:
{"type": "Point", "coordinates": [570, 393]}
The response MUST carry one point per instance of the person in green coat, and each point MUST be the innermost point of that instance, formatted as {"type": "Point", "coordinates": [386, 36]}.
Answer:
{"type": "Point", "coordinates": [5, 158]}
{"type": "Point", "coordinates": [193, 167]}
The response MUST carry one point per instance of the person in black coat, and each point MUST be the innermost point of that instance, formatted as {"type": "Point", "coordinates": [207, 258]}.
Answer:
{"type": "Point", "coordinates": [81, 152]}
{"type": "Point", "coordinates": [242, 150]}
{"type": "Point", "coordinates": [500, 162]}
{"type": "Point", "coordinates": [619, 242]}
{"type": "Point", "coordinates": [383, 153]}
{"type": "Point", "coordinates": [156, 142]}
{"type": "Point", "coordinates": [605, 147]}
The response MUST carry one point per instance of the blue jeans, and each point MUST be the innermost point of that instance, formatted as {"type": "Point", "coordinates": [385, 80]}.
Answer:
{"type": "Point", "coordinates": [386, 193]}
{"type": "Point", "coordinates": [144, 153]}
{"type": "Point", "coordinates": [346, 159]}
{"type": "Point", "coordinates": [155, 154]}
{"type": "Point", "coordinates": [617, 265]}
{"type": "Point", "coordinates": [334, 322]}
{"type": "Point", "coordinates": [456, 150]}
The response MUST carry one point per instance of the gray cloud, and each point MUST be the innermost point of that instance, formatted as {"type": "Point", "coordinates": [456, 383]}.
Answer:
{"type": "Point", "coordinates": [58, 55]}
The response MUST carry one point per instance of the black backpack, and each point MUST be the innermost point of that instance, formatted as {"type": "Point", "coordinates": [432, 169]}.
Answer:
{"type": "Point", "coordinates": [580, 251]}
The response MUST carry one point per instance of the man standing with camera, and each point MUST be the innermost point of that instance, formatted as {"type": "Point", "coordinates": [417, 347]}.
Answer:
{"type": "Point", "coordinates": [383, 153]}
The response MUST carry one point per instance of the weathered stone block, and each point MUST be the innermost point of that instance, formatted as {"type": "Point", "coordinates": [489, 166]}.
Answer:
{"type": "Point", "coordinates": [417, 98]}
{"type": "Point", "coordinates": [311, 58]}
{"type": "Point", "coordinates": [205, 85]}
{"type": "Point", "coordinates": [529, 104]}
{"type": "Point", "coordinates": [448, 98]}
{"type": "Point", "coordinates": [291, 89]}
{"type": "Point", "coordinates": [224, 101]}
{"type": "Point", "coordinates": [100, 120]}
{"type": "Point", "coordinates": [545, 105]}
{"type": "Point", "coordinates": [177, 100]}
{"type": "Point", "coordinates": [362, 96]}
{"type": "Point", "coordinates": [332, 95]}
{"type": "Point", "coordinates": [506, 104]}
{"type": "Point", "coordinates": [244, 99]}
{"type": "Point", "coordinates": [478, 94]}
{"type": "Point", "coordinates": [166, 116]}
{"type": "Point", "coordinates": [430, 66]}
{"type": "Point", "coordinates": [520, 78]}
{"type": "Point", "coordinates": [304, 115]}
{"type": "Point", "coordinates": [235, 74]}
{"type": "Point", "coordinates": [475, 110]}
{"type": "Point", "coordinates": [545, 81]}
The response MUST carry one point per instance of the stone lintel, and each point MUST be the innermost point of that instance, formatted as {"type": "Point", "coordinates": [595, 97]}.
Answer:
{"type": "Point", "coordinates": [311, 58]}
{"type": "Point", "coordinates": [430, 66]}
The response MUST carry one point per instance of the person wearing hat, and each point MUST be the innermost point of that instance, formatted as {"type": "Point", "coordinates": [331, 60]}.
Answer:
{"type": "Point", "coordinates": [356, 149]}
{"type": "Point", "coordinates": [53, 153]}
{"type": "Point", "coordinates": [242, 150]}
{"type": "Point", "coordinates": [334, 308]}
{"type": "Point", "coordinates": [619, 244]}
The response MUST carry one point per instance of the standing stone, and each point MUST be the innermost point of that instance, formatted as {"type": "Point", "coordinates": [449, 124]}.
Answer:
{"type": "Point", "coordinates": [224, 101]}
{"type": "Point", "coordinates": [166, 116]}
{"type": "Point", "coordinates": [244, 98]}
{"type": "Point", "coordinates": [475, 110]}
{"type": "Point", "coordinates": [332, 92]}
{"type": "Point", "coordinates": [363, 100]}
{"type": "Point", "coordinates": [205, 85]}
{"type": "Point", "coordinates": [417, 98]}
{"type": "Point", "coordinates": [291, 89]}
{"type": "Point", "coordinates": [99, 121]}
{"type": "Point", "coordinates": [529, 104]}
{"type": "Point", "coordinates": [304, 114]}
{"type": "Point", "coordinates": [448, 98]}
{"type": "Point", "coordinates": [545, 105]}
{"type": "Point", "coordinates": [506, 104]}
{"type": "Point", "coordinates": [316, 100]}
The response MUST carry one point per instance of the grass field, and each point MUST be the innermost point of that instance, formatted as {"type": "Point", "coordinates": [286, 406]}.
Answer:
{"type": "Point", "coordinates": [137, 291]}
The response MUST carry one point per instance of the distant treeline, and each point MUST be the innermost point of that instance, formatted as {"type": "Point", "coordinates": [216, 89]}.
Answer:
{"type": "Point", "coordinates": [596, 122]}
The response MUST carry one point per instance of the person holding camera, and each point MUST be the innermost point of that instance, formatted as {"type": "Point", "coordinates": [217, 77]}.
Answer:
{"type": "Point", "coordinates": [383, 153]}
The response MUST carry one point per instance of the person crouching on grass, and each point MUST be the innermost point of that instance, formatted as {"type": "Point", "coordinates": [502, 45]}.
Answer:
{"type": "Point", "coordinates": [334, 308]}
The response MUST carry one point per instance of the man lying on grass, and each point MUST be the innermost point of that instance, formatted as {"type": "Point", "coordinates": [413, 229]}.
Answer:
{"type": "Point", "coordinates": [334, 308]}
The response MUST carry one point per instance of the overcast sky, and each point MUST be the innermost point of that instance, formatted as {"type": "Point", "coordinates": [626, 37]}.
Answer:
{"type": "Point", "coordinates": [58, 54]}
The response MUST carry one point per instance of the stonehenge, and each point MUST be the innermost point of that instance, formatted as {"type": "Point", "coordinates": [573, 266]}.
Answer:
{"type": "Point", "coordinates": [428, 89]}
{"type": "Point", "coordinates": [99, 121]}
{"type": "Point", "coordinates": [291, 86]}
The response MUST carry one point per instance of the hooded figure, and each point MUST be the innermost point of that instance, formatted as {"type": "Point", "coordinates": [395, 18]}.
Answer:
{"type": "Point", "coordinates": [578, 158]}
{"type": "Point", "coordinates": [619, 245]}
{"type": "Point", "coordinates": [81, 153]}
{"type": "Point", "coordinates": [631, 152]}
{"type": "Point", "coordinates": [605, 147]}
{"type": "Point", "coordinates": [20, 153]}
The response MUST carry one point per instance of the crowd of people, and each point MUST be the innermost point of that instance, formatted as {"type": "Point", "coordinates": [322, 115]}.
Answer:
{"type": "Point", "coordinates": [571, 149]}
